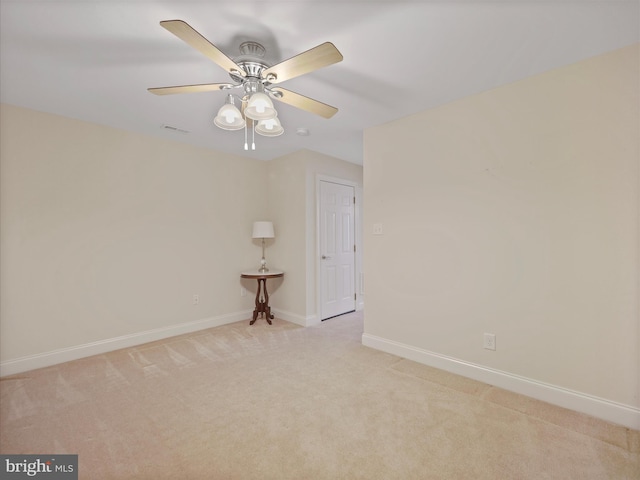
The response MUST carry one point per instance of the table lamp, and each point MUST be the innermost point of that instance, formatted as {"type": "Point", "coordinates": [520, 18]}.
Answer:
{"type": "Point", "coordinates": [263, 230]}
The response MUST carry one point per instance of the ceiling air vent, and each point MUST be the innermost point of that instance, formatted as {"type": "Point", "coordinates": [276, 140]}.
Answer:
{"type": "Point", "coordinates": [175, 129]}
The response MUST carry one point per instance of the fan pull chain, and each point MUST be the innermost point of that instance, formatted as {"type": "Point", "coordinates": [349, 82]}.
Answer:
{"type": "Point", "coordinates": [246, 145]}
{"type": "Point", "coordinates": [253, 136]}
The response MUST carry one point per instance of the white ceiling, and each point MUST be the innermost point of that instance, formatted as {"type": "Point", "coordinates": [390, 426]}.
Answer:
{"type": "Point", "coordinates": [94, 60]}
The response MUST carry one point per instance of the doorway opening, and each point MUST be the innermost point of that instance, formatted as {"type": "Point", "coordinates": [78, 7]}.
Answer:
{"type": "Point", "coordinates": [336, 248]}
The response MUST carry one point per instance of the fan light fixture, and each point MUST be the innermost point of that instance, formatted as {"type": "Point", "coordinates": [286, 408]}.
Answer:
{"type": "Point", "coordinates": [258, 115]}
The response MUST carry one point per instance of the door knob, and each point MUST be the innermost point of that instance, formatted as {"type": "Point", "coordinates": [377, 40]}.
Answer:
{"type": "Point", "coordinates": [324, 257]}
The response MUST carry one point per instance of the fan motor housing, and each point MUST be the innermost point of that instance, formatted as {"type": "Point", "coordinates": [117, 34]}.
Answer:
{"type": "Point", "coordinates": [251, 68]}
{"type": "Point", "coordinates": [251, 60]}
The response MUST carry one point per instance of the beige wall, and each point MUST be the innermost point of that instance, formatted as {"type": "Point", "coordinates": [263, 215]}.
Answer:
{"type": "Point", "coordinates": [514, 212]}
{"type": "Point", "coordinates": [106, 233]}
{"type": "Point", "coordinates": [286, 193]}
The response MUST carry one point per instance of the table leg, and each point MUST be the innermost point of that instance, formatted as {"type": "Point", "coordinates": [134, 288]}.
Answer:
{"type": "Point", "coordinates": [267, 308]}
{"type": "Point", "coordinates": [257, 309]}
{"type": "Point", "coordinates": [262, 302]}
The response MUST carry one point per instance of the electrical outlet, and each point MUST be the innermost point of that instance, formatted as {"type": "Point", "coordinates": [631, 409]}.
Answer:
{"type": "Point", "coordinates": [377, 229]}
{"type": "Point", "coordinates": [489, 341]}
{"type": "Point", "coordinates": [196, 299]}
{"type": "Point", "coordinates": [243, 292]}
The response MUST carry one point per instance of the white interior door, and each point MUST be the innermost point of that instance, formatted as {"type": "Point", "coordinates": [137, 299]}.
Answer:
{"type": "Point", "coordinates": [337, 249]}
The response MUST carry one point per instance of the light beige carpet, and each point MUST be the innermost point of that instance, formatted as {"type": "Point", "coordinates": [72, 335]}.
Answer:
{"type": "Point", "coordinates": [286, 402]}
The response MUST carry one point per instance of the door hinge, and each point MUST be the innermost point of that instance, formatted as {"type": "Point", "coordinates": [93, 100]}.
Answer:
{"type": "Point", "coordinates": [354, 296]}
{"type": "Point", "coordinates": [354, 200]}
{"type": "Point", "coordinates": [354, 248]}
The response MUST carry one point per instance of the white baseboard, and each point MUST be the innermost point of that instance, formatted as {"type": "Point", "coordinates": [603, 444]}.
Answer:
{"type": "Point", "coordinates": [294, 318]}
{"type": "Point", "coordinates": [597, 407]}
{"type": "Point", "coordinates": [31, 362]}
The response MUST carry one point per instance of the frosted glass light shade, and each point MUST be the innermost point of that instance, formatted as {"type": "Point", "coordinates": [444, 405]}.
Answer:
{"type": "Point", "coordinates": [270, 128]}
{"type": "Point", "coordinates": [263, 230]}
{"type": "Point", "coordinates": [260, 107]}
{"type": "Point", "coordinates": [229, 118]}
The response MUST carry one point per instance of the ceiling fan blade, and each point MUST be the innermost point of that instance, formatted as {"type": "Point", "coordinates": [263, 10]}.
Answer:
{"type": "Point", "coordinates": [188, 34]}
{"type": "Point", "coordinates": [206, 87]}
{"type": "Point", "coordinates": [305, 62]}
{"type": "Point", "coordinates": [305, 103]}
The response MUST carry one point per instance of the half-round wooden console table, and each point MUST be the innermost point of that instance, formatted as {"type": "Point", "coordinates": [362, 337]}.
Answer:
{"type": "Point", "coordinates": [262, 301]}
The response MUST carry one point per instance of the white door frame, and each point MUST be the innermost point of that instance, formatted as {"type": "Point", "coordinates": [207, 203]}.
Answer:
{"type": "Point", "coordinates": [358, 286]}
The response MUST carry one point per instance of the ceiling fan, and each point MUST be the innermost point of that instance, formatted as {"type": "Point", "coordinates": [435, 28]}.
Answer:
{"type": "Point", "coordinates": [257, 79]}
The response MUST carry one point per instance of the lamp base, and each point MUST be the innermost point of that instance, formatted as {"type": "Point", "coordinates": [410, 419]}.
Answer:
{"type": "Point", "coordinates": [263, 263]}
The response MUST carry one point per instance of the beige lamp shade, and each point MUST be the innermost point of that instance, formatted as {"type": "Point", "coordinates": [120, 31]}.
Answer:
{"type": "Point", "coordinates": [263, 230]}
